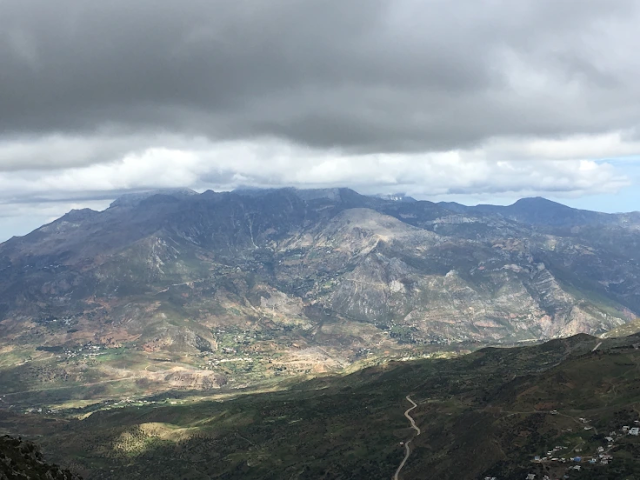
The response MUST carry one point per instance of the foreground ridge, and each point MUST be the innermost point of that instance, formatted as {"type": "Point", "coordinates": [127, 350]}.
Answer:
{"type": "Point", "coordinates": [23, 459]}
{"type": "Point", "coordinates": [498, 413]}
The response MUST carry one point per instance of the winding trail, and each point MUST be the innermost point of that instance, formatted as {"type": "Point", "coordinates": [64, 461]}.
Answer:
{"type": "Point", "coordinates": [406, 445]}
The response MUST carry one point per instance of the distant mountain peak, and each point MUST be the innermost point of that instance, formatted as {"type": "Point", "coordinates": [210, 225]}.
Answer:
{"type": "Point", "coordinates": [307, 194]}
{"type": "Point", "coordinates": [133, 199]}
{"type": "Point", "coordinates": [81, 214]}
{"type": "Point", "coordinates": [539, 202]}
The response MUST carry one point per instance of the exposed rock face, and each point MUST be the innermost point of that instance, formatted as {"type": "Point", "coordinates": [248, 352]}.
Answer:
{"type": "Point", "coordinates": [165, 272]}
{"type": "Point", "coordinates": [23, 460]}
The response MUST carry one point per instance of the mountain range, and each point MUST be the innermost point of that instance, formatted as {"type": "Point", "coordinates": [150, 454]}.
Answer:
{"type": "Point", "coordinates": [175, 289]}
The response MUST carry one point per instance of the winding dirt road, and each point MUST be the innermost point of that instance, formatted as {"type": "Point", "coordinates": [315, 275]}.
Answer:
{"type": "Point", "coordinates": [406, 445]}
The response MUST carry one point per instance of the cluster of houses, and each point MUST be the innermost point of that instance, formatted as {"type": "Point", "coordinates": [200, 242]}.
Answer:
{"type": "Point", "coordinates": [601, 457]}
{"type": "Point", "coordinates": [550, 455]}
{"type": "Point", "coordinates": [84, 351]}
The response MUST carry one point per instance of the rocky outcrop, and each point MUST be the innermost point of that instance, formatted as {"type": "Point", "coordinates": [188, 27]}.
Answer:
{"type": "Point", "coordinates": [22, 460]}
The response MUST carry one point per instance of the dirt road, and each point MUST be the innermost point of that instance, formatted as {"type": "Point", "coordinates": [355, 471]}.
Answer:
{"type": "Point", "coordinates": [407, 444]}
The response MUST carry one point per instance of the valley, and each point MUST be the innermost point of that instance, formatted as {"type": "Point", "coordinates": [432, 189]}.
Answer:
{"type": "Point", "coordinates": [498, 412]}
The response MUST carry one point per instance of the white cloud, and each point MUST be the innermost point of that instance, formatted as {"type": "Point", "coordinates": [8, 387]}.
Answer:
{"type": "Point", "coordinates": [500, 166]}
{"type": "Point", "coordinates": [88, 175]}
{"type": "Point", "coordinates": [438, 99]}
{"type": "Point", "coordinates": [597, 146]}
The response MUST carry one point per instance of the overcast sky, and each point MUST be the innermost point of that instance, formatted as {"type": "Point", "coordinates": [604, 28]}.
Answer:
{"type": "Point", "coordinates": [467, 100]}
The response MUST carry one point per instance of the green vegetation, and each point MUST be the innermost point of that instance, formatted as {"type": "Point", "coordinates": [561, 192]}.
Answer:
{"type": "Point", "coordinates": [624, 330]}
{"type": "Point", "coordinates": [23, 460]}
{"type": "Point", "coordinates": [489, 413]}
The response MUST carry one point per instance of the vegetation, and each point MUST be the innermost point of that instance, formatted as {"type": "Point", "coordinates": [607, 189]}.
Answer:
{"type": "Point", "coordinates": [489, 413]}
{"type": "Point", "coordinates": [23, 460]}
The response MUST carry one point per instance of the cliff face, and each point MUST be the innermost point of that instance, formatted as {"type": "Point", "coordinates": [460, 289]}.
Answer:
{"type": "Point", "coordinates": [255, 272]}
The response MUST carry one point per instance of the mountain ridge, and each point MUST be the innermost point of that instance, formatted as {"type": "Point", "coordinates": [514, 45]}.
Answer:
{"type": "Point", "coordinates": [296, 282]}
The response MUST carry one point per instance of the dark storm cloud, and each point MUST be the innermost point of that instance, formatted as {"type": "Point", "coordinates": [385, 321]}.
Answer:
{"type": "Point", "coordinates": [365, 75]}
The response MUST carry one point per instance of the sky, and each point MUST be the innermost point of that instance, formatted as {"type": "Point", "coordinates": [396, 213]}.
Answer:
{"type": "Point", "coordinates": [445, 100]}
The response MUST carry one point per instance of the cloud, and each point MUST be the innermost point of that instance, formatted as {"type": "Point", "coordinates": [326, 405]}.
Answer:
{"type": "Point", "coordinates": [276, 164]}
{"type": "Point", "coordinates": [431, 97]}
{"type": "Point", "coordinates": [507, 170]}
{"type": "Point", "coordinates": [364, 75]}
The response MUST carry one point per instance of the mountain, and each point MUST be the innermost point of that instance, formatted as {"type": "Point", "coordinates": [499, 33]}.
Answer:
{"type": "Point", "coordinates": [132, 199]}
{"type": "Point", "coordinates": [503, 413]}
{"type": "Point", "coordinates": [173, 289]}
{"type": "Point", "coordinates": [624, 330]}
{"type": "Point", "coordinates": [541, 212]}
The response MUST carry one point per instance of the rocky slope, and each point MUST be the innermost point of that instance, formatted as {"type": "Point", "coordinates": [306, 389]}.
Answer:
{"type": "Point", "coordinates": [203, 289]}
{"type": "Point", "coordinates": [20, 459]}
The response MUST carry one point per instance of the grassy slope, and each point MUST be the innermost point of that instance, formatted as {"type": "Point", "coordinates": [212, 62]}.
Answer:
{"type": "Point", "coordinates": [483, 414]}
{"type": "Point", "coordinates": [624, 330]}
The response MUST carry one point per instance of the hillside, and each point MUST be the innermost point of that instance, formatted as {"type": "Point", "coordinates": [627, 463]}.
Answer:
{"type": "Point", "coordinates": [628, 328]}
{"type": "Point", "coordinates": [23, 460]}
{"type": "Point", "coordinates": [489, 413]}
{"type": "Point", "coordinates": [177, 290]}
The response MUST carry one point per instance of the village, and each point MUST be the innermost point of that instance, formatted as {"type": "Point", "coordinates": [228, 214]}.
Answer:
{"type": "Point", "coordinates": [565, 462]}
{"type": "Point", "coordinates": [87, 350]}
